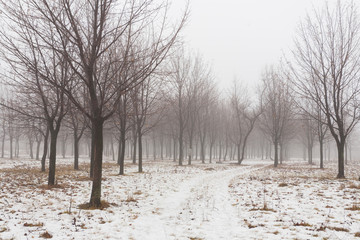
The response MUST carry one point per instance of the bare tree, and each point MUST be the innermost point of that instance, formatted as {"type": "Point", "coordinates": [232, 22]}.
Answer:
{"type": "Point", "coordinates": [278, 107]}
{"type": "Point", "coordinates": [77, 123]}
{"type": "Point", "coordinates": [179, 78]}
{"type": "Point", "coordinates": [146, 108]}
{"type": "Point", "coordinates": [244, 117]}
{"type": "Point", "coordinates": [326, 69]}
{"type": "Point", "coordinates": [90, 36]}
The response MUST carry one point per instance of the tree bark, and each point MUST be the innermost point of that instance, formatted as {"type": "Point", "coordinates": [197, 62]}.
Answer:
{"type": "Point", "coordinates": [11, 147]}
{"type": "Point", "coordinates": [134, 149]}
{"type": "Point", "coordinates": [3, 145]}
{"type": "Point", "coordinates": [122, 142]}
{"type": "Point", "coordinates": [97, 130]}
{"type": "Point", "coordinates": [52, 159]}
{"type": "Point", "coordinates": [321, 154]}
{"type": "Point", "coordinates": [38, 143]}
{"type": "Point", "coordinates": [181, 148]}
{"type": "Point", "coordinates": [341, 167]}
{"type": "Point", "coordinates": [92, 155]}
{"type": "Point", "coordinates": [45, 150]}
{"type": "Point", "coordinates": [31, 149]}
{"type": "Point", "coordinates": [276, 157]}
{"type": "Point", "coordinates": [140, 152]}
{"type": "Point", "coordinates": [76, 151]}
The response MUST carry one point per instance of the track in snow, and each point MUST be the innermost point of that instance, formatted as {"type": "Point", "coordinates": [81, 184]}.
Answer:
{"type": "Point", "coordinates": [201, 208]}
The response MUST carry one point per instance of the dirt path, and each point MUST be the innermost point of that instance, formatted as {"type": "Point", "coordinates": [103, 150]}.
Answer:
{"type": "Point", "coordinates": [200, 209]}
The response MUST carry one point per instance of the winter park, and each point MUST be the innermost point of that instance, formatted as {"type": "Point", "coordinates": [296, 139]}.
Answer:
{"type": "Point", "coordinates": [184, 120]}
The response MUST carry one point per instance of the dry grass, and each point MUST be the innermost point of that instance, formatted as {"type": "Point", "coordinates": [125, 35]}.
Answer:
{"type": "Point", "coordinates": [283, 185]}
{"type": "Point", "coordinates": [209, 169]}
{"type": "Point", "coordinates": [46, 235]}
{"type": "Point", "coordinates": [47, 187]}
{"type": "Point", "coordinates": [354, 207]}
{"type": "Point", "coordinates": [138, 192]}
{"type": "Point", "coordinates": [357, 234]}
{"type": "Point", "coordinates": [130, 198]}
{"type": "Point", "coordinates": [33, 224]}
{"type": "Point", "coordinates": [302, 224]}
{"type": "Point", "coordinates": [265, 208]}
{"type": "Point", "coordinates": [354, 186]}
{"type": "Point", "coordinates": [103, 205]}
{"type": "Point", "coordinates": [338, 229]}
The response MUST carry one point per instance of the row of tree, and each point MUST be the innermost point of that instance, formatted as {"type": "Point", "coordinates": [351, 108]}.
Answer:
{"type": "Point", "coordinates": [111, 70]}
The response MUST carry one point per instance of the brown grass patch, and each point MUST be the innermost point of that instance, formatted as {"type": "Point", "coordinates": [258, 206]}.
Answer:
{"type": "Point", "coordinates": [47, 187]}
{"type": "Point", "coordinates": [354, 186]}
{"type": "Point", "coordinates": [209, 169]}
{"type": "Point", "coordinates": [265, 208]}
{"type": "Point", "coordinates": [86, 206]}
{"type": "Point", "coordinates": [338, 229]}
{"type": "Point", "coordinates": [138, 192]}
{"type": "Point", "coordinates": [3, 229]}
{"type": "Point", "coordinates": [33, 224]}
{"type": "Point", "coordinates": [46, 235]}
{"type": "Point", "coordinates": [110, 165]}
{"type": "Point", "coordinates": [301, 224]}
{"type": "Point", "coordinates": [354, 207]}
{"type": "Point", "coordinates": [130, 198]}
{"type": "Point", "coordinates": [357, 234]}
{"type": "Point", "coordinates": [283, 185]}
{"type": "Point", "coordinates": [82, 178]}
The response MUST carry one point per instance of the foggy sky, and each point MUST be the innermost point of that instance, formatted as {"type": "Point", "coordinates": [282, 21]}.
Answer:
{"type": "Point", "coordinates": [241, 37]}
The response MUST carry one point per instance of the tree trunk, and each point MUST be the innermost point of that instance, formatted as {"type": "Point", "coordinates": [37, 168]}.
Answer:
{"type": "Point", "coordinates": [89, 148]}
{"type": "Point", "coordinates": [140, 152]}
{"type": "Point", "coordinates": [281, 145]}
{"type": "Point", "coordinates": [112, 148]}
{"type": "Point", "coordinates": [92, 153]}
{"type": "Point", "coordinates": [31, 149]}
{"type": "Point", "coordinates": [346, 153]}
{"type": "Point", "coordinates": [181, 148]}
{"type": "Point", "coordinates": [63, 148]}
{"type": "Point", "coordinates": [190, 151]}
{"type": "Point", "coordinates": [11, 147]}
{"type": "Point", "coordinates": [276, 157]}
{"type": "Point", "coordinates": [122, 152]}
{"type": "Point", "coordinates": [174, 150]}
{"type": "Point", "coordinates": [321, 154]}
{"type": "Point", "coordinates": [38, 143]}
{"type": "Point", "coordinates": [162, 148]}
{"type": "Point", "coordinates": [341, 167]}
{"type": "Point", "coordinates": [310, 153]}
{"type": "Point", "coordinates": [76, 151]}
{"type": "Point", "coordinates": [202, 150]}
{"type": "Point", "coordinates": [3, 145]}
{"type": "Point", "coordinates": [52, 159]}
{"type": "Point", "coordinates": [17, 147]}
{"type": "Point", "coordinates": [97, 130]}
{"type": "Point", "coordinates": [226, 151]}
{"type": "Point", "coordinates": [134, 149]}
{"type": "Point", "coordinates": [154, 148]}
{"type": "Point", "coordinates": [45, 149]}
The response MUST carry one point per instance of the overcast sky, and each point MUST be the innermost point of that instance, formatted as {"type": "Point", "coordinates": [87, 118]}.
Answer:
{"type": "Point", "coordinates": [241, 37]}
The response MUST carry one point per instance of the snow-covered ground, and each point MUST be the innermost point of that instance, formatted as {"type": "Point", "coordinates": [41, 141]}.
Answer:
{"type": "Point", "coordinates": [202, 201]}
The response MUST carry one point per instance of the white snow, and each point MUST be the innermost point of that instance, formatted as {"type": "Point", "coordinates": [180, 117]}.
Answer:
{"type": "Point", "coordinates": [202, 201]}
